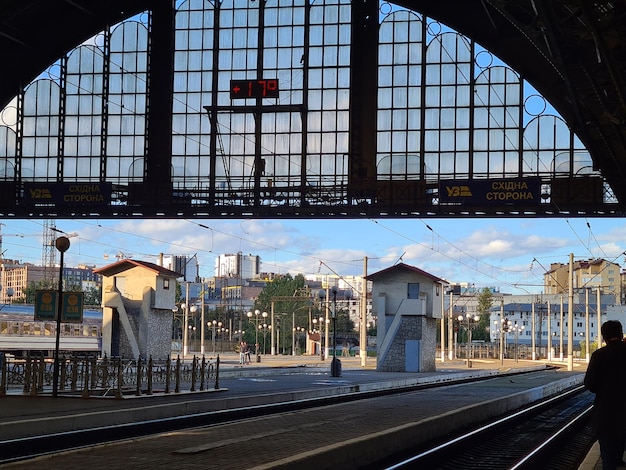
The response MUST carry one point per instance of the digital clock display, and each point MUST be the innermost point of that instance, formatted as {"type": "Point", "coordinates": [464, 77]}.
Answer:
{"type": "Point", "coordinates": [241, 89]}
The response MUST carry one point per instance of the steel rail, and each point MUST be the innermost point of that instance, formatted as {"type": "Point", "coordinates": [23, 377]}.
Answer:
{"type": "Point", "coordinates": [530, 458]}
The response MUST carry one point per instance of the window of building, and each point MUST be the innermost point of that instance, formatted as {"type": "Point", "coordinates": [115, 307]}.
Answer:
{"type": "Point", "coordinates": [413, 290]}
{"type": "Point", "coordinates": [166, 284]}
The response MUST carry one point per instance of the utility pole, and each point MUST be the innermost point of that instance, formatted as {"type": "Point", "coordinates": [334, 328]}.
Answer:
{"type": "Point", "coordinates": [599, 335]}
{"type": "Point", "coordinates": [202, 293]}
{"type": "Point", "coordinates": [443, 323]}
{"type": "Point", "coordinates": [570, 316]}
{"type": "Point", "coordinates": [587, 353]}
{"type": "Point", "coordinates": [450, 333]}
{"type": "Point", "coordinates": [561, 331]}
{"type": "Point", "coordinates": [532, 339]}
{"type": "Point", "coordinates": [363, 328]}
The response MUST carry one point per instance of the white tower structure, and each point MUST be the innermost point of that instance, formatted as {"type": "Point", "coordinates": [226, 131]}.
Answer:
{"type": "Point", "coordinates": [186, 266]}
{"type": "Point", "coordinates": [238, 265]}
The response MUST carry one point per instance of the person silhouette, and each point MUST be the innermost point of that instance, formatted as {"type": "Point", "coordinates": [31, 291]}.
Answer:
{"type": "Point", "coordinates": [606, 378]}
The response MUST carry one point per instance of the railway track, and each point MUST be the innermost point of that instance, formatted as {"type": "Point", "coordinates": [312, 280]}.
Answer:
{"type": "Point", "coordinates": [551, 435]}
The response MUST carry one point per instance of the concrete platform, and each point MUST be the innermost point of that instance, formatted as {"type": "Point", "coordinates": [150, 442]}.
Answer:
{"type": "Point", "coordinates": [22, 414]}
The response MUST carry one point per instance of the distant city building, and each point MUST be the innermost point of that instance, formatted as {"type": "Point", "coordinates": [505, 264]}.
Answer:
{"type": "Point", "coordinates": [592, 273]}
{"type": "Point", "coordinates": [15, 277]}
{"type": "Point", "coordinates": [81, 277]}
{"type": "Point", "coordinates": [186, 266]}
{"type": "Point", "coordinates": [524, 310]}
{"type": "Point", "coordinates": [349, 291]}
{"type": "Point", "coordinates": [238, 266]}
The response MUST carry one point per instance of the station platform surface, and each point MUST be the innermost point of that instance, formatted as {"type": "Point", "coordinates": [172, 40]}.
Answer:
{"type": "Point", "coordinates": [40, 412]}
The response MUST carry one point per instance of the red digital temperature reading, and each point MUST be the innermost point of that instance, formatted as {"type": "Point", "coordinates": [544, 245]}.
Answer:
{"type": "Point", "coordinates": [241, 89]}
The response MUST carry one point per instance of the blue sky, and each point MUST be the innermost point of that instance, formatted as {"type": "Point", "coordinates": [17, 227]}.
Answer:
{"type": "Point", "coordinates": [511, 254]}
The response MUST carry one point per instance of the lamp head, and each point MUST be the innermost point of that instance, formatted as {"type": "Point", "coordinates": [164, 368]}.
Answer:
{"type": "Point", "coordinates": [62, 244]}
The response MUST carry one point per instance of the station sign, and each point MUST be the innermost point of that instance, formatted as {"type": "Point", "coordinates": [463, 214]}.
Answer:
{"type": "Point", "coordinates": [71, 306]}
{"type": "Point", "coordinates": [45, 305]}
{"type": "Point", "coordinates": [67, 194]}
{"type": "Point", "coordinates": [501, 191]}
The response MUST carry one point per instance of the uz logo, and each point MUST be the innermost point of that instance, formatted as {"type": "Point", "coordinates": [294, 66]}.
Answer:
{"type": "Point", "coordinates": [40, 194]}
{"type": "Point", "coordinates": [458, 191]}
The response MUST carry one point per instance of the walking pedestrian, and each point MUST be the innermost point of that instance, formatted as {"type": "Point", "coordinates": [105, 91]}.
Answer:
{"type": "Point", "coordinates": [242, 352]}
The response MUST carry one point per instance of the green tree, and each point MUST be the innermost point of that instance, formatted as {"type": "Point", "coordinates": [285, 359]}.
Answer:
{"type": "Point", "coordinates": [29, 292]}
{"type": "Point", "coordinates": [288, 294]}
{"type": "Point", "coordinates": [283, 286]}
{"type": "Point", "coordinates": [93, 296]}
{"type": "Point", "coordinates": [344, 323]}
{"type": "Point", "coordinates": [483, 309]}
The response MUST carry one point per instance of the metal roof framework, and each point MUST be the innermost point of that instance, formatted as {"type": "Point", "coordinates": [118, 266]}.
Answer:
{"type": "Point", "coordinates": [572, 51]}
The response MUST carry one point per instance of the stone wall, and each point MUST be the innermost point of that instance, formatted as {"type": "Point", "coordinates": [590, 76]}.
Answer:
{"type": "Point", "coordinates": [125, 348]}
{"type": "Point", "coordinates": [159, 334]}
{"type": "Point", "coordinates": [412, 327]}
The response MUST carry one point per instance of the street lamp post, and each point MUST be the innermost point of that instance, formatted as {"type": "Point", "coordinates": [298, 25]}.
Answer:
{"type": "Point", "coordinates": [9, 294]}
{"type": "Point", "coordinates": [224, 332]}
{"type": "Point", "coordinates": [185, 308]}
{"type": "Point", "coordinates": [62, 244]}
{"type": "Point", "coordinates": [335, 365]}
{"type": "Point", "coordinates": [193, 309]}
{"type": "Point", "coordinates": [297, 331]}
{"type": "Point", "coordinates": [213, 323]}
{"type": "Point", "coordinates": [192, 332]}
{"type": "Point", "coordinates": [471, 322]}
{"type": "Point", "coordinates": [174, 320]}
{"type": "Point", "coordinates": [322, 294]}
{"type": "Point", "coordinates": [263, 328]}
{"type": "Point", "coordinates": [505, 325]}
{"type": "Point", "coordinates": [256, 331]}
{"type": "Point", "coordinates": [202, 321]}
{"type": "Point", "coordinates": [320, 323]}
{"type": "Point", "coordinates": [517, 329]}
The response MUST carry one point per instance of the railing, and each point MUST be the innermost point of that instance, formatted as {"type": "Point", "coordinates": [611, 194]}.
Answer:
{"type": "Point", "coordinates": [87, 376]}
{"type": "Point", "coordinates": [39, 328]}
{"type": "Point", "coordinates": [22, 336]}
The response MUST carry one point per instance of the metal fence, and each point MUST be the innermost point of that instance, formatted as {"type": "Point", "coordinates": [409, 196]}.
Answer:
{"type": "Point", "coordinates": [87, 376]}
